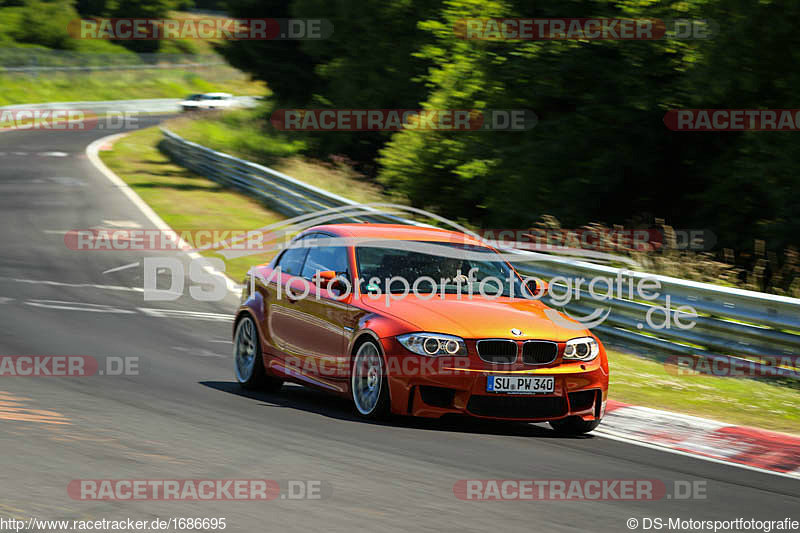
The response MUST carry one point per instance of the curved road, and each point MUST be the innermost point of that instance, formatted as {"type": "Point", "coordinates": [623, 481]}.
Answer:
{"type": "Point", "coordinates": [184, 417]}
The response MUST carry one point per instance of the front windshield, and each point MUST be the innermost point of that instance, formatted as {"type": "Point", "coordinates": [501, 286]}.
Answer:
{"type": "Point", "coordinates": [441, 267]}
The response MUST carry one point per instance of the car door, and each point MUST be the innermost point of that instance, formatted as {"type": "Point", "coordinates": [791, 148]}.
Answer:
{"type": "Point", "coordinates": [280, 327]}
{"type": "Point", "coordinates": [328, 313]}
{"type": "Point", "coordinates": [308, 322]}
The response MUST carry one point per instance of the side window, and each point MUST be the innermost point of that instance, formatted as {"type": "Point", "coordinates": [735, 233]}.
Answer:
{"type": "Point", "coordinates": [291, 262]}
{"type": "Point", "coordinates": [322, 257]}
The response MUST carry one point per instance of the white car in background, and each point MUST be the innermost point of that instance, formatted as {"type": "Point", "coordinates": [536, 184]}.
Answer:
{"type": "Point", "coordinates": [209, 102]}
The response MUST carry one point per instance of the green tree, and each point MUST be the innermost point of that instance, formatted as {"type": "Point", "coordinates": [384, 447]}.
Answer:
{"type": "Point", "coordinates": [140, 9]}
{"type": "Point", "coordinates": [599, 105]}
{"type": "Point", "coordinates": [367, 63]}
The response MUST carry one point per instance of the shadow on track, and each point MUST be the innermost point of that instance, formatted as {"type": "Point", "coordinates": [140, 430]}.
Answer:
{"type": "Point", "coordinates": [293, 396]}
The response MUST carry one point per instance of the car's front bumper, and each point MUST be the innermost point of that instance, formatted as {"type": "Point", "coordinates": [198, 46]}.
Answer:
{"type": "Point", "coordinates": [421, 387]}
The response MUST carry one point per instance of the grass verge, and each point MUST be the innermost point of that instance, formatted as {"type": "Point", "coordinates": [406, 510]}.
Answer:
{"type": "Point", "coordinates": [124, 85]}
{"type": "Point", "coordinates": [187, 201]}
{"type": "Point", "coordinates": [242, 134]}
{"type": "Point", "coordinates": [737, 401]}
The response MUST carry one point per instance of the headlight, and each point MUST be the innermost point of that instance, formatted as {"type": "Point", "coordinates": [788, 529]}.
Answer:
{"type": "Point", "coordinates": [433, 344]}
{"type": "Point", "coordinates": [581, 349]}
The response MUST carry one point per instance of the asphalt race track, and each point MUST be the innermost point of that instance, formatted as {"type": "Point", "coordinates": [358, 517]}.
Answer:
{"type": "Point", "coordinates": [184, 417]}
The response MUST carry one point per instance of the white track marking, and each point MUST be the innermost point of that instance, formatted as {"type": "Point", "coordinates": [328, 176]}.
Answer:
{"type": "Point", "coordinates": [92, 153]}
{"type": "Point", "coordinates": [617, 436]}
{"type": "Point", "coordinates": [63, 305]}
{"type": "Point", "coordinates": [53, 154]}
{"type": "Point", "coordinates": [78, 306]}
{"type": "Point", "coordinates": [75, 285]}
{"type": "Point", "coordinates": [123, 267]}
{"type": "Point", "coordinates": [646, 421]}
{"type": "Point", "coordinates": [199, 353]}
{"type": "Point", "coordinates": [122, 224]}
{"type": "Point", "coordinates": [68, 181]}
{"type": "Point", "coordinates": [638, 425]}
{"type": "Point", "coordinates": [180, 313]}
{"type": "Point", "coordinates": [61, 180]}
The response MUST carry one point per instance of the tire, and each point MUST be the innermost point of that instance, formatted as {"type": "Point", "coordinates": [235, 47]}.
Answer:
{"type": "Point", "coordinates": [369, 388]}
{"type": "Point", "coordinates": [248, 364]}
{"type": "Point", "coordinates": [574, 425]}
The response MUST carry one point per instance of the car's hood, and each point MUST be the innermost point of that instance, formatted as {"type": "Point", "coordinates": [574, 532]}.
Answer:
{"type": "Point", "coordinates": [479, 318]}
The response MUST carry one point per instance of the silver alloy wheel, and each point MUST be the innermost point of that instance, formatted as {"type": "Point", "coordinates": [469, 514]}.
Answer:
{"type": "Point", "coordinates": [244, 350]}
{"type": "Point", "coordinates": [367, 378]}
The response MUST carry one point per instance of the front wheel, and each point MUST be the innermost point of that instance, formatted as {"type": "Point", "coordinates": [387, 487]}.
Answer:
{"type": "Point", "coordinates": [247, 361]}
{"type": "Point", "coordinates": [368, 385]}
{"type": "Point", "coordinates": [574, 425]}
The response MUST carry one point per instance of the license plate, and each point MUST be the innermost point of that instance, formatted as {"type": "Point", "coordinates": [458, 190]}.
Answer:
{"type": "Point", "coordinates": [521, 384]}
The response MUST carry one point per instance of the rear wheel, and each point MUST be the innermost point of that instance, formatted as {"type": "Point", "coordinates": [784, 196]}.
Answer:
{"type": "Point", "coordinates": [574, 425]}
{"type": "Point", "coordinates": [247, 361]}
{"type": "Point", "coordinates": [368, 385]}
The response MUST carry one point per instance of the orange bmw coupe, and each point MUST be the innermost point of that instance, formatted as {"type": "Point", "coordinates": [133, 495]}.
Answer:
{"type": "Point", "coordinates": [416, 321]}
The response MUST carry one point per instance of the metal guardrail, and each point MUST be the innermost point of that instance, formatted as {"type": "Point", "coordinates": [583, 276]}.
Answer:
{"type": "Point", "coordinates": [153, 105]}
{"type": "Point", "coordinates": [15, 59]}
{"type": "Point", "coordinates": [732, 321]}
{"type": "Point", "coordinates": [92, 68]}
{"type": "Point", "coordinates": [283, 193]}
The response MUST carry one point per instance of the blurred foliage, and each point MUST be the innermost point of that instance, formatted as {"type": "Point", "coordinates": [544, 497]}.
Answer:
{"type": "Point", "coordinates": [368, 63]}
{"type": "Point", "coordinates": [132, 9]}
{"type": "Point", "coordinates": [45, 23]}
{"type": "Point", "coordinates": [670, 254]}
{"type": "Point", "coordinates": [129, 8]}
{"type": "Point", "coordinates": [36, 22]}
{"type": "Point", "coordinates": [211, 5]}
{"type": "Point", "coordinates": [74, 86]}
{"type": "Point", "coordinates": [600, 151]}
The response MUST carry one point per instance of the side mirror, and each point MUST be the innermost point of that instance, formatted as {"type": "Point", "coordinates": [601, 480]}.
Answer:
{"type": "Point", "coordinates": [327, 279]}
{"type": "Point", "coordinates": [537, 288]}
